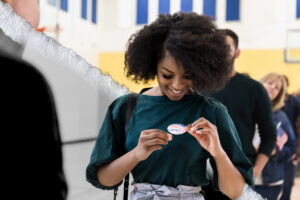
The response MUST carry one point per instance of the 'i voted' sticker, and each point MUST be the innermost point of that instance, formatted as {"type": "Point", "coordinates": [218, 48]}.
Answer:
{"type": "Point", "coordinates": [177, 129]}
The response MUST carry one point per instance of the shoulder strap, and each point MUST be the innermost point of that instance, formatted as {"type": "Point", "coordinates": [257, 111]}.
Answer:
{"type": "Point", "coordinates": [130, 107]}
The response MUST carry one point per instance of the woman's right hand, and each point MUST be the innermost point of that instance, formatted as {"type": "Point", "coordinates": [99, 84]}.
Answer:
{"type": "Point", "coordinates": [149, 141]}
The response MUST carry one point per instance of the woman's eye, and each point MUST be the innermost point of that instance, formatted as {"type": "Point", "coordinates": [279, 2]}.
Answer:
{"type": "Point", "coordinates": [188, 77]}
{"type": "Point", "coordinates": [167, 76]}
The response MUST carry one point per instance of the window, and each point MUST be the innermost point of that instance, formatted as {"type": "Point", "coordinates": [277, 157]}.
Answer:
{"type": "Point", "coordinates": [64, 5]}
{"type": "Point", "coordinates": [142, 12]}
{"type": "Point", "coordinates": [232, 10]}
{"type": "Point", "coordinates": [186, 5]}
{"type": "Point", "coordinates": [94, 11]}
{"type": "Point", "coordinates": [164, 7]}
{"type": "Point", "coordinates": [209, 8]}
{"type": "Point", "coordinates": [298, 9]}
{"type": "Point", "coordinates": [84, 9]}
{"type": "Point", "coordinates": [52, 2]}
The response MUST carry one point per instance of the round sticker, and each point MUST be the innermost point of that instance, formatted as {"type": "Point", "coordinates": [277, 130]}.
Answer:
{"type": "Point", "coordinates": [176, 129]}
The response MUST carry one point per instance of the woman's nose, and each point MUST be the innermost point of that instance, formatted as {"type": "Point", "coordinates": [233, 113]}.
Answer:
{"type": "Point", "coordinates": [272, 86]}
{"type": "Point", "coordinates": [177, 84]}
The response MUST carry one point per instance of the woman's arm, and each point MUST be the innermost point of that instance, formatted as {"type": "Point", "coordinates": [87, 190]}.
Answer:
{"type": "Point", "coordinates": [115, 171]}
{"type": "Point", "coordinates": [228, 175]}
{"type": "Point", "coordinates": [260, 163]}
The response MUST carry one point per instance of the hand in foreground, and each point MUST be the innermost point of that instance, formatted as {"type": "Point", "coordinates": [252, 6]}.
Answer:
{"type": "Point", "coordinates": [207, 135]}
{"type": "Point", "coordinates": [149, 141]}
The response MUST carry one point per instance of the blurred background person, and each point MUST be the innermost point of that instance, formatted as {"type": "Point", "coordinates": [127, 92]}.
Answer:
{"type": "Point", "coordinates": [292, 110]}
{"type": "Point", "coordinates": [248, 104]}
{"type": "Point", "coordinates": [270, 183]}
{"type": "Point", "coordinates": [33, 153]}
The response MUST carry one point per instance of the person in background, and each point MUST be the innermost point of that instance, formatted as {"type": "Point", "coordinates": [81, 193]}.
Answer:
{"type": "Point", "coordinates": [32, 156]}
{"type": "Point", "coordinates": [271, 181]}
{"type": "Point", "coordinates": [297, 93]}
{"type": "Point", "coordinates": [248, 104]}
{"type": "Point", "coordinates": [188, 56]}
{"type": "Point", "coordinates": [292, 110]}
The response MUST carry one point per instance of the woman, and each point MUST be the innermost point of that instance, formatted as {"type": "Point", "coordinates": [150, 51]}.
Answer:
{"type": "Point", "coordinates": [272, 176]}
{"type": "Point", "coordinates": [187, 55]}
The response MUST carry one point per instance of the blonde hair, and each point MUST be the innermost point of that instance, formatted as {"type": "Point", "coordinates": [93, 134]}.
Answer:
{"type": "Point", "coordinates": [278, 102]}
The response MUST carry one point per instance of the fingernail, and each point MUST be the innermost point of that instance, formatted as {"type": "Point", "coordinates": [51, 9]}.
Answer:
{"type": "Point", "coordinates": [170, 137]}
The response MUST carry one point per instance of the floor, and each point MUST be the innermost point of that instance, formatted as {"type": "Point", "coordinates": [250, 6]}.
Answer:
{"type": "Point", "coordinates": [76, 158]}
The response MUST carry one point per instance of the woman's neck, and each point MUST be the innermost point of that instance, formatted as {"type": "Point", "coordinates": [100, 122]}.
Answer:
{"type": "Point", "coordinates": [155, 91]}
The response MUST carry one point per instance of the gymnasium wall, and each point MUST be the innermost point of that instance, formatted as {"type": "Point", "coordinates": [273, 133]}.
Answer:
{"type": "Point", "coordinates": [99, 30]}
{"type": "Point", "coordinates": [255, 62]}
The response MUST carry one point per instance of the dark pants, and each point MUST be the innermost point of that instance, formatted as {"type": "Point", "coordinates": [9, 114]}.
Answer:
{"type": "Point", "coordinates": [269, 192]}
{"type": "Point", "coordinates": [289, 176]}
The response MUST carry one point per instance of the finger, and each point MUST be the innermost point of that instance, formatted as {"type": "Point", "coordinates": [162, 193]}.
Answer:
{"type": "Point", "coordinates": [156, 133]}
{"type": "Point", "coordinates": [148, 131]}
{"type": "Point", "coordinates": [199, 125]}
{"type": "Point", "coordinates": [201, 119]}
{"type": "Point", "coordinates": [204, 131]}
{"type": "Point", "coordinates": [188, 127]}
{"type": "Point", "coordinates": [154, 148]}
{"type": "Point", "coordinates": [156, 141]}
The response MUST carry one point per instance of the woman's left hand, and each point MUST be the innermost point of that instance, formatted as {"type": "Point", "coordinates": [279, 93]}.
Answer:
{"type": "Point", "coordinates": [207, 135]}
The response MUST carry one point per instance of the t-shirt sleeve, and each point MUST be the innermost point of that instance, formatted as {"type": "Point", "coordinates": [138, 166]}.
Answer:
{"type": "Point", "coordinates": [264, 119]}
{"type": "Point", "coordinates": [109, 143]}
{"type": "Point", "coordinates": [230, 142]}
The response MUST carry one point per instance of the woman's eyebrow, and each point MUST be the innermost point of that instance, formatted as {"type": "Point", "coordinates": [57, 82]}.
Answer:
{"type": "Point", "coordinates": [167, 69]}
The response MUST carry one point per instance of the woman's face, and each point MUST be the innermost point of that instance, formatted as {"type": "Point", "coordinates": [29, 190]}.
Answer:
{"type": "Point", "coordinates": [273, 87]}
{"type": "Point", "coordinates": [172, 80]}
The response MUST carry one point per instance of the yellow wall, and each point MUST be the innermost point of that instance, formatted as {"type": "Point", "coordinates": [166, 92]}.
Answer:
{"type": "Point", "coordinates": [113, 64]}
{"type": "Point", "coordinates": [254, 62]}
{"type": "Point", "coordinates": [259, 62]}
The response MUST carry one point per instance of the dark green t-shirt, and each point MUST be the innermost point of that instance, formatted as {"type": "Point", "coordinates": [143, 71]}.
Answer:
{"type": "Point", "coordinates": [183, 160]}
{"type": "Point", "coordinates": [248, 104]}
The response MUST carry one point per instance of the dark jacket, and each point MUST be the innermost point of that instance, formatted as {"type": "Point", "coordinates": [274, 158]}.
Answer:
{"type": "Point", "coordinates": [32, 164]}
{"type": "Point", "coordinates": [274, 169]}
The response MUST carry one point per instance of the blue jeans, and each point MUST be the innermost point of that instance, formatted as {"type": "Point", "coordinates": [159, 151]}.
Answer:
{"type": "Point", "coordinates": [289, 176]}
{"type": "Point", "coordinates": [269, 192]}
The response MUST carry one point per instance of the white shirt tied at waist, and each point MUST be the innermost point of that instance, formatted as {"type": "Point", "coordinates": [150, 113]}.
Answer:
{"type": "Point", "coordinates": [144, 191]}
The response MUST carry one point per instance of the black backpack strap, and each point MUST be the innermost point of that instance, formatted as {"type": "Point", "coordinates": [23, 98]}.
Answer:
{"type": "Point", "coordinates": [130, 107]}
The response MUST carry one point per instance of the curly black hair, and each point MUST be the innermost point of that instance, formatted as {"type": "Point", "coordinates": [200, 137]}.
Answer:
{"type": "Point", "coordinates": [193, 40]}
